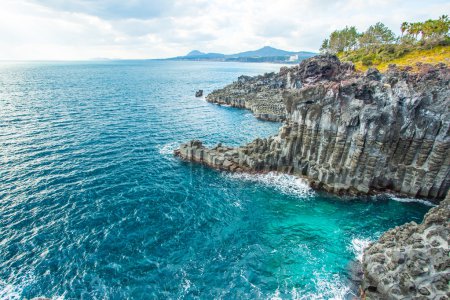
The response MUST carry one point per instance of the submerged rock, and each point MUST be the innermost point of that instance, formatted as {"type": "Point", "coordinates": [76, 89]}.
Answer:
{"type": "Point", "coordinates": [411, 261]}
{"type": "Point", "coordinates": [344, 131]}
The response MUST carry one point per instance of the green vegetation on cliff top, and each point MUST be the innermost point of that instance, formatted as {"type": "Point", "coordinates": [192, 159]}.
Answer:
{"type": "Point", "coordinates": [420, 42]}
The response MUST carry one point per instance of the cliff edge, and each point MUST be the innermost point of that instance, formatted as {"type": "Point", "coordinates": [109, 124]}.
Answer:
{"type": "Point", "coordinates": [344, 131]}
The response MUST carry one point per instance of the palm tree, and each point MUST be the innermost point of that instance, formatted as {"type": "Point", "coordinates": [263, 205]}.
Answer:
{"type": "Point", "coordinates": [404, 27]}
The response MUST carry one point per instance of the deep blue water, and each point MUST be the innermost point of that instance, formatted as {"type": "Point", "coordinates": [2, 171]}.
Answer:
{"type": "Point", "coordinates": [94, 206]}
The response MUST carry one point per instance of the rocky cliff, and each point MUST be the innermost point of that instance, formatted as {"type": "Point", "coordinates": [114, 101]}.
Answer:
{"type": "Point", "coordinates": [344, 131]}
{"type": "Point", "coordinates": [262, 95]}
{"type": "Point", "coordinates": [411, 261]}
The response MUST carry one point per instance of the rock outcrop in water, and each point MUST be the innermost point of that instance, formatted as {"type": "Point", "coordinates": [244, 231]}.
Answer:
{"type": "Point", "coordinates": [262, 95]}
{"type": "Point", "coordinates": [411, 261]}
{"type": "Point", "coordinates": [344, 131]}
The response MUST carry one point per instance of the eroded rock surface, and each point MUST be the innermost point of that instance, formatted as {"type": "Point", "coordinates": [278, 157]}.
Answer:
{"type": "Point", "coordinates": [345, 131]}
{"type": "Point", "coordinates": [411, 261]}
{"type": "Point", "coordinates": [263, 94]}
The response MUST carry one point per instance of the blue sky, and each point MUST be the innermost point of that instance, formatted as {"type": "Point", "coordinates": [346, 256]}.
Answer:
{"type": "Point", "coordinates": [85, 29]}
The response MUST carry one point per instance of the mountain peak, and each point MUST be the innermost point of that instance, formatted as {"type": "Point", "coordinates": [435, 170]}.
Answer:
{"type": "Point", "coordinates": [266, 51]}
{"type": "Point", "coordinates": [195, 53]}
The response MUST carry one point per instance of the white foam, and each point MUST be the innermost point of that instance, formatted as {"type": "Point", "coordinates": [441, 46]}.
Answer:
{"type": "Point", "coordinates": [167, 149]}
{"type": "Point", "coordinates": [408, 200]}
{"type": "Point", "coordinates": [357, 247]}
{"type": "Point", "coordinates": [287, 184]}
{"type": "Point", "coordinates": [15, 291]}
{"type": "Point", "coordinates": [9, 291]}
{"type": "Point", "coordinates": [276, 295]}
{"type": "Point", "coordinates": [334, 289]}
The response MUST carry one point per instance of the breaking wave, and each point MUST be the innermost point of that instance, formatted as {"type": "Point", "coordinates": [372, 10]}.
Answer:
{"type": "Point", "coordinates": [330, 289]}
{"type": "Point", "coordinates": [358, 245]}
{"type": "Point", "coordinates": [15, 291]}
{"type": "Point", "coordinates": [167, 149]}
{"type": "Point", "coordinates": [408, 200]}
{"type": "Point", "coordinates": [286, 184]}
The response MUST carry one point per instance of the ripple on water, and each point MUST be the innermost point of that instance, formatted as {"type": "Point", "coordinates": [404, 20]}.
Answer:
{"type": "Point", "coordinates": [93, 204]}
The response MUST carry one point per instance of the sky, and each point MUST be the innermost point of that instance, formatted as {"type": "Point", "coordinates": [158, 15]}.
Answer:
{"type": "Point", "coordinates": [138, 29]}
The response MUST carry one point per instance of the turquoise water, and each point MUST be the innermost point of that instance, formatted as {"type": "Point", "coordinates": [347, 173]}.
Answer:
{"type": "Point", "coordinates": [93, 205]}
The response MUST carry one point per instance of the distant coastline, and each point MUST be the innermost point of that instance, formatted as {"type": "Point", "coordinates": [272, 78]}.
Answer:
{"type": "Point", "coordinates": [266, 54]}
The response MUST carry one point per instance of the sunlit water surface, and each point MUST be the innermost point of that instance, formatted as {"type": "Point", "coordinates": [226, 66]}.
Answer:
{"type": "Point", "coordinates": [93, 205]}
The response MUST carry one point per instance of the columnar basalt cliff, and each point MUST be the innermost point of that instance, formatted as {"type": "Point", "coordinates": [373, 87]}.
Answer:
{"type": "Point", "coordinates": [345, 131]}
{"type": "Point", "coordinates": [411, 261]}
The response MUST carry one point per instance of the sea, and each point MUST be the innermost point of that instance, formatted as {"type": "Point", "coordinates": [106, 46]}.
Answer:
{"type": "Point", "coordinates": [93, 204]}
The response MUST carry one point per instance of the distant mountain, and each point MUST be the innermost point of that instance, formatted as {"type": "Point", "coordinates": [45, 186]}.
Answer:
{"type": "Point", "coordinates": [195, 53]}
{"type": "Point", "coordinates": [266, 51]}
{"type": "Point", "coordinates": [265, 54]}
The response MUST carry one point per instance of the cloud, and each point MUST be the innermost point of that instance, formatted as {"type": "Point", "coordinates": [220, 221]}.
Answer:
{"type": "Point", "coordinates": [83, 29]}
{"type": "Point", "coordinates": [112, 9]}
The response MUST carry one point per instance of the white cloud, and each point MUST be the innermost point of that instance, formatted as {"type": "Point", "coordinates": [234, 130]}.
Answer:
{"type": "Point", "coordinates": [83, 29]}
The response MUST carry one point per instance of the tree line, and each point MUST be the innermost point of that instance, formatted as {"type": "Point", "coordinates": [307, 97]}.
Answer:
{"type": "Point", "coordinates": [429, 33]}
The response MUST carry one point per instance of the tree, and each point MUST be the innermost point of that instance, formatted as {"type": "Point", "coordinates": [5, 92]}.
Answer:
{"type": "Point", "coordinates": [435, 29]}
{"type": "Point", "coordinates": [376, 35]}
{"type": "Point", "coordinates": [325, 46]}
{"type": "Point", "coordinates": [404, 27]}
{"type": "Point", "coordinates": [343, 40]}
{"type": "Point", "coordinates": [414, 29]}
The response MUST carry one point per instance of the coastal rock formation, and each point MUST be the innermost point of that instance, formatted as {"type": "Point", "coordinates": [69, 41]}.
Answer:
{"type": "Point", "coordinates": [199, 93]}
{"type": "Point", "coordinates": [263, 94]}
{"type": "Point", "coordinates": [411, 261]}
{"type": "Point", "coordinates": [345, 131]}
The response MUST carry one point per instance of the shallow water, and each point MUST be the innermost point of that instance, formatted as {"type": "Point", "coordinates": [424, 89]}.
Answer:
{"type": "Point", "coordinates": [93, 205]}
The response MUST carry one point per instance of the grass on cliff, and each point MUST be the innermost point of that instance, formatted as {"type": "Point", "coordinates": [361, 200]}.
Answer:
{"type": "Point", "coordinates": [382, 57]}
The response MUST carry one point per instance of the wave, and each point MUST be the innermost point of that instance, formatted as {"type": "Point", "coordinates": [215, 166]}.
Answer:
{"type": "Point", "coordinates": [167, 149]}
{"type": "Point", "coordinates": [286, 184]}
{"type": "Point", "coordinates": [331, 289]}
{"type": "Point", "coordinates": [15, 291]}
{"type": "Point", "coordinates": [334, 289]}
{"type": "Point", "coordinates": [408, 200]}
{"type": "Point", "coordinates": [358, 245]}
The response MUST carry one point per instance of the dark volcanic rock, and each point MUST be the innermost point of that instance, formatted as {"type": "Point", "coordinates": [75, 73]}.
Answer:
{"type": "Point", "coordinates": [411, 261]}
{"type": "Point", "coordinates": [345, 131]}
{"type": "Point", "coordinates": [263, 94]}
{"type": "Point", "coordinates": [199, 93]}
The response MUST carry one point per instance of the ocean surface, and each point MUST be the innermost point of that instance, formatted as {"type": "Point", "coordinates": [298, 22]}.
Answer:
{"type": "Point", "coordinates": [93, 205]}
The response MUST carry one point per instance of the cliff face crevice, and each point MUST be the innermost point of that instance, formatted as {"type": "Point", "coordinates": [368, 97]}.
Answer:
{"type": "Point", "coordinates": [346, 131]}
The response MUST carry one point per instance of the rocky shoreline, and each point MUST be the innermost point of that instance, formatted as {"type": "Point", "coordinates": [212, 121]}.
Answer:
{"type": "Point", "coordinates": [411, 261]}
{"type": "Point", "coordinates": [348, 132]}
{"type": "Point", "coordinates": [357, 133]}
